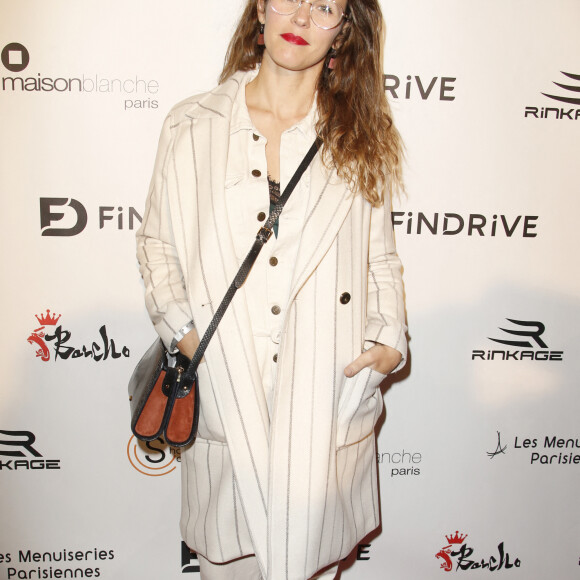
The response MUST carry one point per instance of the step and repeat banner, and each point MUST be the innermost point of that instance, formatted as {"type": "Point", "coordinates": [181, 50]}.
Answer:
{"type": "Point", "coordinates": [479, 449]}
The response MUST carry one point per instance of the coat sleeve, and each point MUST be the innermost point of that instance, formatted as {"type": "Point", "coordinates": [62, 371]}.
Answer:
{"type": "Point", "coordinates": [385, 300]}
{"type": "Point", "coordinates": [165, 289]}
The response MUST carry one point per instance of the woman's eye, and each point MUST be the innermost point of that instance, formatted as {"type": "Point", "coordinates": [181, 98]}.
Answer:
{"type": "Point", "coordinates": [325, 9]}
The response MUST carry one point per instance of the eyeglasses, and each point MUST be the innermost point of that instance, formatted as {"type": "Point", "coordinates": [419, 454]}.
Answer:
{"type": "Point", "coordinates": [325, 14]}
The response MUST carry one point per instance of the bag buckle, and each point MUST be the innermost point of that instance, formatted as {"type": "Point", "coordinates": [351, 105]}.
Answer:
{"type": "Point", "coordinates": [264, 234]}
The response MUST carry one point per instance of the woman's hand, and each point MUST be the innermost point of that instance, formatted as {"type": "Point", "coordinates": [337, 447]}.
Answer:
{"type": "Point", "coordinates": [380, 358]}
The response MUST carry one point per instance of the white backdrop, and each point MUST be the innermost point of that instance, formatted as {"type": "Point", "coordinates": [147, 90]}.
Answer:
{"type": "Point", "coordinates": [479, 452]}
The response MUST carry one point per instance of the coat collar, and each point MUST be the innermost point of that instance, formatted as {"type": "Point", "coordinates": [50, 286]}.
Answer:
{"type": "Point", "coordinates": [220, 101]}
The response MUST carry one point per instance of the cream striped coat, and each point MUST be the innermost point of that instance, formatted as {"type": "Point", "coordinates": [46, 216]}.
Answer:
{"type": "Point", "coordinates": [299, 488]}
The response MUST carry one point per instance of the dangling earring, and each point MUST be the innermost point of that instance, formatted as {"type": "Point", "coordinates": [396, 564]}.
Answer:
{"type": "Point", "coordinates": [331, 59]}
{"type": "Point", "coordinates": [261, 36]}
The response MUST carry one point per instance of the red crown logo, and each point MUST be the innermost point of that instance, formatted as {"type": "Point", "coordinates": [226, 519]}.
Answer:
{"type": "Point", "coordinates": [456, 539]}
{"type": "Point", "coordinates": [47, 319]}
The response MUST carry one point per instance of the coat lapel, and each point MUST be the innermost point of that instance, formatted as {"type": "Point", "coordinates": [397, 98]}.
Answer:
{"type": "Point", "coordinates": [328, 206]}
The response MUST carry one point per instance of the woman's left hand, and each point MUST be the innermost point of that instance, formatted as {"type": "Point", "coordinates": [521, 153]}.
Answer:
{"type": "Point", "coordinates": [380, 358]}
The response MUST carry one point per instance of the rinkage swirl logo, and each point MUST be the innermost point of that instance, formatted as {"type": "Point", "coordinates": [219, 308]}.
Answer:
{"type": "Point", "coordinates": [572, 89]}
{"type": "Point", "coordinates": [566, 92]}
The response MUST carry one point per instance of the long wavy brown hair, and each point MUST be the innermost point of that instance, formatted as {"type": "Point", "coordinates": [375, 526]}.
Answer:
{"type": "Point", "coordinates": [354, 117]}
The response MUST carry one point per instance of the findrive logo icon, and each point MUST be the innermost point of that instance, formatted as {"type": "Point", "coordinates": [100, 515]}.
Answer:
{"type": "Point", "coordinates": [15, 57]}
{"type": "Point", "coordinates": [189, 561]}
{"type": "Point", "coordinates": [48, 215]}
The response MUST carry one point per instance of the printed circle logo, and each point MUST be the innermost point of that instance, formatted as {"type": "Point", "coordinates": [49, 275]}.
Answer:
{"type": "Point", "coordinates": [153, 458]}
{"type": "Point", "coordinates": [15, 57]}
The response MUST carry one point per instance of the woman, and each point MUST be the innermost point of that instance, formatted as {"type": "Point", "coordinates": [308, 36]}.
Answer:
{"type": "Point", "coordinates": [281, 481]}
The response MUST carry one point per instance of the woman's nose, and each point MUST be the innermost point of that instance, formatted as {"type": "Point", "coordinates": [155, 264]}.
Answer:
{"type": "Point", "coordinates": [302, 15]}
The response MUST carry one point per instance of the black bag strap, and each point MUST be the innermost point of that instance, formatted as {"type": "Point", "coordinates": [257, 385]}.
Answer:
{"type": "Point", "coordinates": [261, 238]}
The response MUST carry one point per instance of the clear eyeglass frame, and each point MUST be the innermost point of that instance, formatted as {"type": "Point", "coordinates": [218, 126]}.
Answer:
{"type": "Point", "coordinates": [294, 5]}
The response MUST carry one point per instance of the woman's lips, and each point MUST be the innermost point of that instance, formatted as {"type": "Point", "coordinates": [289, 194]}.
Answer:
{"type": "Point", "coordinates": [292, 38]}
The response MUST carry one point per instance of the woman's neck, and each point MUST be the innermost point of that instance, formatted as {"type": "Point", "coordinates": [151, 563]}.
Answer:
{"type": "Point", "coordinates": [285, 95]}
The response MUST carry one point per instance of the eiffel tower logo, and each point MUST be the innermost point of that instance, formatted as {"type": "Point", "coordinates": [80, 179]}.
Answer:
{"type": "Point", "coordinates": [499, 449]}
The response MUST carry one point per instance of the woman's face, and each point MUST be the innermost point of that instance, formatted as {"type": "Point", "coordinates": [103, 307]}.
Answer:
{"type": "Point", "coordinates": [293, 41]}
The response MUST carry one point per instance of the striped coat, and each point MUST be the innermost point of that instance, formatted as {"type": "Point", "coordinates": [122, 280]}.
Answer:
{"type": "Point", "coordinates": [299, 488]}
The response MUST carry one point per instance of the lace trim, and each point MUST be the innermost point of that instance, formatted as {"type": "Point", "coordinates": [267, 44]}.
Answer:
{"type": "Point", "coordinates": [274, 190]}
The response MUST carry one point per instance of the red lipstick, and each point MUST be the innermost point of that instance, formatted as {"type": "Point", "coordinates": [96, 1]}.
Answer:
{"type": "Point", "coordinates": [293, 39]}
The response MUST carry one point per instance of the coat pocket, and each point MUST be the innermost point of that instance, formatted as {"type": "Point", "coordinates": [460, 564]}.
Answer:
{"type": "Point", "coordinates": [359, 406]}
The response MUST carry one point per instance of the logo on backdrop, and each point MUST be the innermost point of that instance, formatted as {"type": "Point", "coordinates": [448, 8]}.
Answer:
{"type": "Point", "coordinates": [567, 92]}
{"type": "Point", "coordinates": [54, 209]}
{"type": "Point", "coordinates": [458, 553]}
{"type": "Point", "coordinates": [401, 463]}
{"type": "Point", "coordinates": [528, 344]}
{"type": "Point", "coordinates": [189, 561]}
{"type": "Point", "coordinates": [103, 348]}
{"type": "Point", "coordinates": [153, 458]}
{"type": "Point", "coordinates": [19, 452]}
{"type": "Point", "coordinates": [542, 450]}
{"type": "Point", "coordinates": [416, 87]}
{"type": "Point", "coordinates": [473, 224]}
{"type": "Point", "coordinates": [500, 449]}
{"type": "Point", "coordinates": [137, 92]}
{"type": "Point", "coordinates": [51, 564]}
{"type": "Point", "coordinates": [15, 57]}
